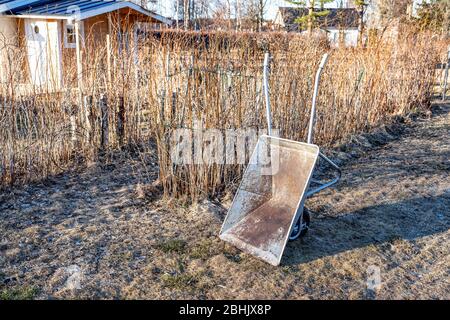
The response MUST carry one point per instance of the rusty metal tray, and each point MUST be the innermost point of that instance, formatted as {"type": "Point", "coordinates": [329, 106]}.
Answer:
{"type": "Point", "coordinates": [272, 191]}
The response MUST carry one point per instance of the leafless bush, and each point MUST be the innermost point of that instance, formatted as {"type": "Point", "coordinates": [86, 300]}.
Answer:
{"type": "Point", "coordinates": [158, 82]}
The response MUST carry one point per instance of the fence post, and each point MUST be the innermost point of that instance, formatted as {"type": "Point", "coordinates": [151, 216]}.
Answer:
{"type": "Point", "coordinates": [89, 103]}
{"type": "Point", "coordinates": [174, 105]}
{"type": "Point", "coordinates": [104, 120]}
{"type": "Point", "coordinates": [121, 121]}
{"type": "Point", "coordinates": [87, 115]}
{"type": "Point", "coordinates": [73, 124]}
{"type": "Point", "coordinates": [444, 90]}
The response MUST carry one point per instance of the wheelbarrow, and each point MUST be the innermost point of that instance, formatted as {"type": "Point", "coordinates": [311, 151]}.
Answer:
{"type": "Point", "coordinates": [268, 209]}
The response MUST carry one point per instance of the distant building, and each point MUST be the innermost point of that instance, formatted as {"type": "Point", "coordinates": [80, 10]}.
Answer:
{"type": "Point", "coordinates": [340, 25]}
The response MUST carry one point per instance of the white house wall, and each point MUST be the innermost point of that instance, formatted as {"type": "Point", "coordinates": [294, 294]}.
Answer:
{"type": "Point", "coordinates": [43, 45]}
{"type": "Point", "coordinates": [278, 21]}
{"type": "Point", "coordinates": [350, 37]}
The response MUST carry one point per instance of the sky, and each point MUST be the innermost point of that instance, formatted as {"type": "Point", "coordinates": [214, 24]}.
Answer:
{"type": "Point", "coordinates": [166, 7]}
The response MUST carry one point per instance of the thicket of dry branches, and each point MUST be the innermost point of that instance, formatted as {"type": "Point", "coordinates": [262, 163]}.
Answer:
{"type": "Point", "coordinates": [168, 80]}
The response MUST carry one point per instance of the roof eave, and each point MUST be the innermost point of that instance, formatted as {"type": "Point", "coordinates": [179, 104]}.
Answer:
{"type": "Point", "coordinates": [38, 16]}
{"type": "Point", "coordinates": [121, 5]}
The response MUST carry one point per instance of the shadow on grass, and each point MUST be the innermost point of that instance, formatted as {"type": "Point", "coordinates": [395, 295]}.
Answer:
{"type": "Point", "coordinates": [408, 220]}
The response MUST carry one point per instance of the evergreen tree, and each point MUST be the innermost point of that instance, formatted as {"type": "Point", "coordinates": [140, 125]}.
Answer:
{"type": "Point", "coordinates": [316, 9]}
{"type": "Point", "coordinates": [434, 15]}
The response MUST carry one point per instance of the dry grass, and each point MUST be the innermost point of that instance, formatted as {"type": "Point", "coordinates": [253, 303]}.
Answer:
{"type": "Point", "coordinates": [169, 80]}
{"type": "Point", "coordinates": [389, 211]}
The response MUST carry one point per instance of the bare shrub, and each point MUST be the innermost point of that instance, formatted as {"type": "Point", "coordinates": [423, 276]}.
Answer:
{"type": "Point", "coordinates": [158, 82]}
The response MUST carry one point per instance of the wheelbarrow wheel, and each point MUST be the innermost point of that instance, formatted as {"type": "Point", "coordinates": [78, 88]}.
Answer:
{"type": "Point", "coordinates": [301, 227]}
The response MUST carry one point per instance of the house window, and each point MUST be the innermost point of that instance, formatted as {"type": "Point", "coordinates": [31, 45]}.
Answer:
{"type": "Point", "coordinates": [70, 38]}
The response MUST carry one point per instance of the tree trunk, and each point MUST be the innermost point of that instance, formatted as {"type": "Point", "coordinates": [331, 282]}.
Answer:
{"type": "Point", "coordinates": [186, 14]}
{"type": "Point", "coordinates": [260, 15]}
{"type": "Point", "coordinates": [177, 13]}
{"type": "Point", "coordinates": [446, 24]}
{"type": "Point", "coordinates": [238, 15]}
{"type": "Point", "coordinates": [310, 17]}
{"type": "Point", "coordinates": [361, 25]}
{"type": "Point", "coordinates": [192, 15]}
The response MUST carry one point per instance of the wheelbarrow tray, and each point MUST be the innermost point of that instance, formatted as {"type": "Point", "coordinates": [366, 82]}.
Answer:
{"type": "Point", "coordinates": [270, 198]}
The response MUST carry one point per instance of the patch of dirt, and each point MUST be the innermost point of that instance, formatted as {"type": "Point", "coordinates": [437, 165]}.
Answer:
{"type": "Point", "coordinates": [102, 233]}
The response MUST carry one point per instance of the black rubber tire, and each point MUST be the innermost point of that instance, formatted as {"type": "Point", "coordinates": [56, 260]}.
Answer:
{"type": "Point", "coordinates": [300, 231]}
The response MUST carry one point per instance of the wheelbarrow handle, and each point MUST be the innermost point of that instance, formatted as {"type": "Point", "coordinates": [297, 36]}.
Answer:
{"type": "Point", "coordinates": [312, 118]}
{"type": "Point", "coordinates": [266, 92]}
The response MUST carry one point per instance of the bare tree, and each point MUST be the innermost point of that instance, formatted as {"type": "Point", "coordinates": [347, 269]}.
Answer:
{"type": "Point", "coordinates": [187, 14]}
{"type": "Point", "coordinates": [177, 13]}
{"type": "Point", "coordinates": [228, 14]}
{"type": "Point", "coordinates": [361, 6]}
{"type": "Point", "coordinates": [181, 13]}
{"type": "Point", "coordinates": [238, 15]}
{"type": "Point", "coordinates": [255, 11]}
{"type": "Point", "coordinates": [390, 9]}
{"type": "Point", "coordinates": [223, 12]}
{"type": "Point", "coordinates": [434, 15]}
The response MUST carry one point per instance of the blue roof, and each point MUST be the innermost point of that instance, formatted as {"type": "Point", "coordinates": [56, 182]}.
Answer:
{"type": "Point", "coordinates": [7, 5]}
{"type": "Point", "coordinates": [66, 8]}
{"type": "Point", "coordinates": [60, 7]}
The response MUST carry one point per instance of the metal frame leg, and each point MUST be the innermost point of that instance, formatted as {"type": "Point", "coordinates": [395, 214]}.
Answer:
{"type": "Point", "coordinates": [325, 185]}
